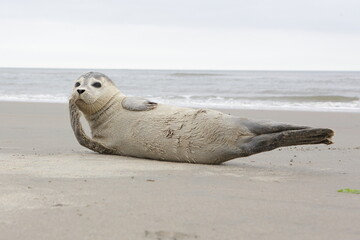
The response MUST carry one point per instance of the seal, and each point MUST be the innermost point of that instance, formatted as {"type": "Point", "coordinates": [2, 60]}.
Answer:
{"type": "Point", "coordinates": [133, 126]}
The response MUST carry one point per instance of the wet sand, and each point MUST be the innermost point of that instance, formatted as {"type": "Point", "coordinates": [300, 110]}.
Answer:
{"type": "Point", "coordinates": [52, 188]}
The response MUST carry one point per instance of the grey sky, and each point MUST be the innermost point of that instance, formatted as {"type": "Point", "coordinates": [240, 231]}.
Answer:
{"type": "Point", "coordinates": [224, 34]}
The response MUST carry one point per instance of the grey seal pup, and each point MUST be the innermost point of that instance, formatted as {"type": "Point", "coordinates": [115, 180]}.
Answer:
{"type": "Point", "coordinates": [132, 126]}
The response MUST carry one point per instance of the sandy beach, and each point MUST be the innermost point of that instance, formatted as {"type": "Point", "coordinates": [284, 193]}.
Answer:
{"type": "Point", "coordinates": [52, 188]}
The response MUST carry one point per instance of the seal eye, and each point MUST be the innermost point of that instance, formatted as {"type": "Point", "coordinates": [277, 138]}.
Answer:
{"type": "Point", "coordinates": [96, 84]}
{"type": "Point", "coordinates": [77, 84]}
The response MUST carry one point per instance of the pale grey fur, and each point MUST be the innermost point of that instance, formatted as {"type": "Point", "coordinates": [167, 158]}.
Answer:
{"type": "Point", "coordinates": [96, 75]}
{"type": "Point", "coordinates": [137, 104]}
{"type": "Point", "coordinates": [136, 127]}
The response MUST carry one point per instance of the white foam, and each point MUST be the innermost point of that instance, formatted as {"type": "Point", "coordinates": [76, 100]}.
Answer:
{"type": "Point", "coordinates": [34, 98]}
{"type": "Point", "coordinates": [216, 102]}
{"type": "Point", "coordinates": [264, 105]}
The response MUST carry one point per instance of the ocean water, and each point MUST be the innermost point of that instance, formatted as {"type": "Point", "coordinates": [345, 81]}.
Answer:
{"type": "Point", "coordinates": [275, 90]}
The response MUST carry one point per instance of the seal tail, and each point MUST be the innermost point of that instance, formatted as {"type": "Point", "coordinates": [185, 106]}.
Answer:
{"type": "Point", "coordinates": [268, 142]}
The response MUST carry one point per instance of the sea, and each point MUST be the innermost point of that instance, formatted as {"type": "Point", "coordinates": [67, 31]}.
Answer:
{"type": "Point", "coordinates": [264, 90]}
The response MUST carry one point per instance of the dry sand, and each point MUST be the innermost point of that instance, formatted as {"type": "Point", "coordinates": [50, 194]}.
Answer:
{"type": "Point", "coordinates": [52, 188]}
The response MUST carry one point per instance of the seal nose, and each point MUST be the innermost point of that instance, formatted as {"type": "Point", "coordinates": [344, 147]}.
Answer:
{"type": "Point", "coordinates": [80, 91]}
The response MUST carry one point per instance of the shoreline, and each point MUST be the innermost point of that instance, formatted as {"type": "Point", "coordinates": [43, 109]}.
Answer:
{"type": "Point", "coordinates": [73, 193]}
{"type": "Point", "coordinates": [216, 107]}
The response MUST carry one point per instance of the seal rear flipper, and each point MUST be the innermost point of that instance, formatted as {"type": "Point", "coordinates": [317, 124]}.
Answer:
{"type": "Point", "coordinates": [79, 132]}
{"type": "Point", "coordinates": [268, 142]}
{"type": "Point", "coordinates": [137, 104]}
{"type": "Point", "coordinates": [266, 127]}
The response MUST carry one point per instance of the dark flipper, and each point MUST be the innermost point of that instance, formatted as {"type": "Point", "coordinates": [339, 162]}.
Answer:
{"type": "Point", "coordinates": [265, 127]}
{"type": "Point", "coordinates": [267, 142]}
{"type": "Point", "coordinates": [80, 135]}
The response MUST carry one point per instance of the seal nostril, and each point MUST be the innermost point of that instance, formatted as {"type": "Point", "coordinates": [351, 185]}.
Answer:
{"type": "Point", "coordinates": [80, 91]}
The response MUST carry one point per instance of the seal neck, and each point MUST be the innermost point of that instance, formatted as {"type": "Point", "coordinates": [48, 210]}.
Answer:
{"type": "Point", "coordinates": [105, 109]}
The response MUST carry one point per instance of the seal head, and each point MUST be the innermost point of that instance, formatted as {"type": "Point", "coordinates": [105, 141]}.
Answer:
{"type": "Point", "coordinates": [92, 91]}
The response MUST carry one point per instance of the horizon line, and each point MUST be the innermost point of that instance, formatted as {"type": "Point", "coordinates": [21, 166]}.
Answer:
{"type": "Point", "coordinates": [183, 69]}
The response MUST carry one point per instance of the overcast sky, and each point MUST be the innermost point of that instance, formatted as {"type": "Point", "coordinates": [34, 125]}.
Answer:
{"type": "Point", "coordinates": [181, 34]}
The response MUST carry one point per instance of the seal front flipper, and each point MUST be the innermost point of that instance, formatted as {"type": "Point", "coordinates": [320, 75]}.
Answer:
{"type": "Point", "coordinates": [79, 132]}
{"type": "Point", "coordinates": [137, 104]}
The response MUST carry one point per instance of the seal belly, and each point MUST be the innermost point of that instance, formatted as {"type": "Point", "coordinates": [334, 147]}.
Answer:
{"type": "Point", "coordinates": [177, 134]}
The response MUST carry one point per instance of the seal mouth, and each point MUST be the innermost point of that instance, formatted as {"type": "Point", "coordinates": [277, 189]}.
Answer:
{"type": "Point", "coordinates": [84, 98]}
{"type": "Point", "coordinates": [89, 107]}
{"type": "Point", "coordinates": [78, 100]}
